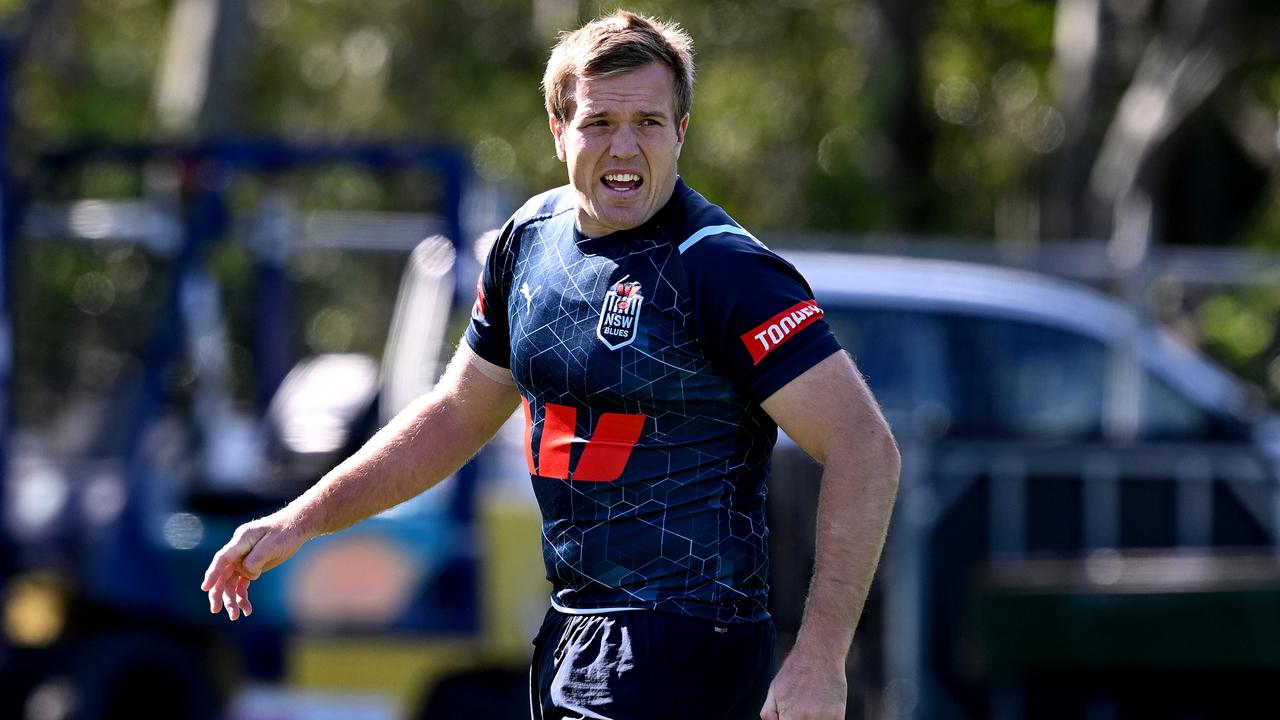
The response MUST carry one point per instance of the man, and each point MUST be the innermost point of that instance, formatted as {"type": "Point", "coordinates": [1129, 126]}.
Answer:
{"type": "Point", "coordinates": [655, 347]}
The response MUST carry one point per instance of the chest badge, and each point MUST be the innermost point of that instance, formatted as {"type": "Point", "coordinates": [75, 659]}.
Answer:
{"type": "Point", "coordinates": [620, 315]}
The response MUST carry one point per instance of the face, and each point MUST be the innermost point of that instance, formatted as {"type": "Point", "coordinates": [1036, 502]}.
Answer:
{"type": "Point", "coordinates": [621, 147]}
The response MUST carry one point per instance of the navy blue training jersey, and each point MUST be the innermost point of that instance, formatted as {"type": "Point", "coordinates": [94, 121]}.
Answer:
{"type": "Point", "coordinates": [642, 358]}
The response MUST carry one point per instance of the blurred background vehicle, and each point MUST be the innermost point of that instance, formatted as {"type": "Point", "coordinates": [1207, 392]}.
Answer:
{"type": "Point", "coordinates": [1076, 483]}
{"type": "Point", "coordinates": [138, 454]}
{"type": "Point", "coordinates": [1060, 455]}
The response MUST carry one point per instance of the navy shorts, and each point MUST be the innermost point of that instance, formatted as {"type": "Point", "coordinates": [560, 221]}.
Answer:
{"type": "Point", "coordinates": [645, 664]}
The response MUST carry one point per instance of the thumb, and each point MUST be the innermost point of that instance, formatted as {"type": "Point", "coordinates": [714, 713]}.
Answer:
{"type": "Point", "coordinates": [255, 563]}
{"type": "Point", "coordinates": [770, 709]}
{"type": "Point", "coordinates": [251, 548]}
{"type": "Point", "coordinates": [269, 550]}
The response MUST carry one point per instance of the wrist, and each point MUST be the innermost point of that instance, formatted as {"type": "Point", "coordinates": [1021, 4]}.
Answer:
{"type": "Point", "coordinates": [298, 521]}
{"type": "Point", "coordinates": [818, 650]}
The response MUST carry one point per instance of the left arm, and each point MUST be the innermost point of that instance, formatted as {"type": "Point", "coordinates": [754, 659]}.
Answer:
{"type": "Point", "coordinates": [829, 411]}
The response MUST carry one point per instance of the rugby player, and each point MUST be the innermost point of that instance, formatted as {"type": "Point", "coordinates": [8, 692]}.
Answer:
{"type": "Point", "coordinates": [655, 347]}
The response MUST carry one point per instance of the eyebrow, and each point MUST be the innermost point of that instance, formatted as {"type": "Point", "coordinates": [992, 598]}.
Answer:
{"type": "Point", "coordinates": [641, 114]}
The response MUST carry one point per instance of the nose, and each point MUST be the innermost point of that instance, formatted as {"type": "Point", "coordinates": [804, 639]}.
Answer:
{"type": "Point", "coordinates": [623, 144]}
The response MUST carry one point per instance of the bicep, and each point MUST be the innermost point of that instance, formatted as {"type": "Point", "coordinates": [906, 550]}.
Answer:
{"type": "Point", "coordinates": [482, 394]}
{"type": "Point", "coordinates": [829, 410]}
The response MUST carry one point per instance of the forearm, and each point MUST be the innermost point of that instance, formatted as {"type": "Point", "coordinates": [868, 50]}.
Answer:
{"type": "Point", "coordinates": [422, 445]}
{"type": "Point", "coordinates": [417, 449]}
{"type": "Point", "coordinates": [854, 504]}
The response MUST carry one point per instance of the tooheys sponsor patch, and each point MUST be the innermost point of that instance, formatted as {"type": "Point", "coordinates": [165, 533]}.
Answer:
{"type": "Point", "coordinates": [620, 315]}
{"type": "Point", "coordinates": [768, 335]}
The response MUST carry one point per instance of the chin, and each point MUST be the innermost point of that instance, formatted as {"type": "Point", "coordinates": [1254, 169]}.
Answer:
{"type": "Point", "coordinates": [626, 223]}
{"type": "Point", "coordinates": [616, 220]}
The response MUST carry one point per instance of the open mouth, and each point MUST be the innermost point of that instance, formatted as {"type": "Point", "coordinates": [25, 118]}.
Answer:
{"type": "Point", "coordinates": [622, 182]}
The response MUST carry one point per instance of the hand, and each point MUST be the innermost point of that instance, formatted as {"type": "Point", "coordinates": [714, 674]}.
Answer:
{"type": "Point", "coordinates": [806, 690]}
{"type": "Point", "coordinates": [255, 548]}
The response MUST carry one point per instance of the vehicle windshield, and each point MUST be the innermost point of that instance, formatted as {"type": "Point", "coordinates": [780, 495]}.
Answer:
{"type": "Point", "coordinates": [987, 376]}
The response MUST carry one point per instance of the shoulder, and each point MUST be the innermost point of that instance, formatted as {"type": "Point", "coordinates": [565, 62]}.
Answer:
{"type": "Point", "coordinates": [544, 206]}
{"type": "Point", "coordinates": [721, 258]}
{"type": "Point", "coordinates": [708, 234]}
{"type": "Point", "coordinates": [536, 210]}
{"type": "Point", "coordinates": [707, 228]}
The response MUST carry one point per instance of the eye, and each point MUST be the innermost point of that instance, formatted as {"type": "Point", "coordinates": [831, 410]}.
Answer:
{"type": "Point", "coordinates": [650, 122]}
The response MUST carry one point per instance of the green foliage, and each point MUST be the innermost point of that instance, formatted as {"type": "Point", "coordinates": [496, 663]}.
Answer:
{"type": "Point", "coordinates": [1264, 229]}
{"type": "Point", "coordinates": [808, 114]}
{"type": "Point", "coordinates": [91, 72]}
{"type": "Point", "coordinates": [1239, 329]}
{"type": "Point", "coordinates": [1241, 326]}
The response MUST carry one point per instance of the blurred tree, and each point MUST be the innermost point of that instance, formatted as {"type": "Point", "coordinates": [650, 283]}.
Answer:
{"type": "Point", "coordinates": [951, 116]}
{"type": "Point", "coordinates": [1014, 119]}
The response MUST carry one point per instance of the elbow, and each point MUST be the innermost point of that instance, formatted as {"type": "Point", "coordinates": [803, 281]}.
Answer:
{"type": "Point", "coordinates": [889, 460]}
{"type": "Point", "coordinates": [873, 457]}
{"type": "Point", "coordinates": [879, 457]}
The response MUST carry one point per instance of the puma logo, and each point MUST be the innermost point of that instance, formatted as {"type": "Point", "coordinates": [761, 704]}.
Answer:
{"type": "Point", "coordinates": [528, 296]}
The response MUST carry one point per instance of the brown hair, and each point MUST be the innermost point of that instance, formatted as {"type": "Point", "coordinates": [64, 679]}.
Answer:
{"type": "Point", "coordinates": [613, 44]}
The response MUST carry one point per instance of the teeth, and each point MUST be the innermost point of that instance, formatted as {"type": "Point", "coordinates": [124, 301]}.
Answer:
{"type": "Point", "coordinates": [622, 177]}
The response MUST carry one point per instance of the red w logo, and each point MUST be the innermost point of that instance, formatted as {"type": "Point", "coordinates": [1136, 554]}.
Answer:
{"type": "Point", "coordinates": [604, 456]}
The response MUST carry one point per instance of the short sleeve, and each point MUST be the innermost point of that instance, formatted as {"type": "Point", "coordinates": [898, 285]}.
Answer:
{"type": "Point", "coordinates": [488, 332]}
{"type": "Point", "coordinates": [755, 315]}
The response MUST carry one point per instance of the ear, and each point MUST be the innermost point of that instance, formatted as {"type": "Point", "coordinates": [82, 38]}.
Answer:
{"type": "Point", "coordinates": [557, 132]}
{"type": "Point", "coordinates": [681, 129]}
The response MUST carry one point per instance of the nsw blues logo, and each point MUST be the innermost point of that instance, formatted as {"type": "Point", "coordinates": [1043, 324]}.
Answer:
{"type": "Point", "coordinates": [620, 315]}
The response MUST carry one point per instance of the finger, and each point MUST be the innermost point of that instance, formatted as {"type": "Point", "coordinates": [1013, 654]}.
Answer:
{"type": "Point", "coordinates": [218, 593]}
{"type": "Point", "coordinates": [225, 561]}
{"type": "Point", "coordinates": [770, 709]}
{"type": "Point", "coordinates": [217, 570]}
{"type": "Point", "coordinates": [242, 596]}
{"type": "Point", "coordinates": [232, 554]}
{"type": "Point", "coordinates": [229, 602]}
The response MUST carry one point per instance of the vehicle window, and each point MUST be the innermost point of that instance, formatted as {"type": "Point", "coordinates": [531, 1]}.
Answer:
{"type": "Point", "coordinates": [1025, 380]}
{"type": "Point", "coordinates": [995, 376]}
{"type": "Point", "coordinates": [900, 353]}
{"type": "Point", "coordinates": [1167, 414]}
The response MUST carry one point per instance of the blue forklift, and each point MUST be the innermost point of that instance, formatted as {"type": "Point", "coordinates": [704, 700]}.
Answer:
{"type": "Point", "coordinates": [213, 359]}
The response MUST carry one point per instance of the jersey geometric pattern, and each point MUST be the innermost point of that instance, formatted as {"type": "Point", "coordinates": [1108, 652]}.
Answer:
{"type": "Point", "coordinates": [648, 459]}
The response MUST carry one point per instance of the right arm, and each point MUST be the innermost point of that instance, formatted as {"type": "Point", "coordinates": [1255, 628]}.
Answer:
{"type": "Point", "coordinates": [425, 443]}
